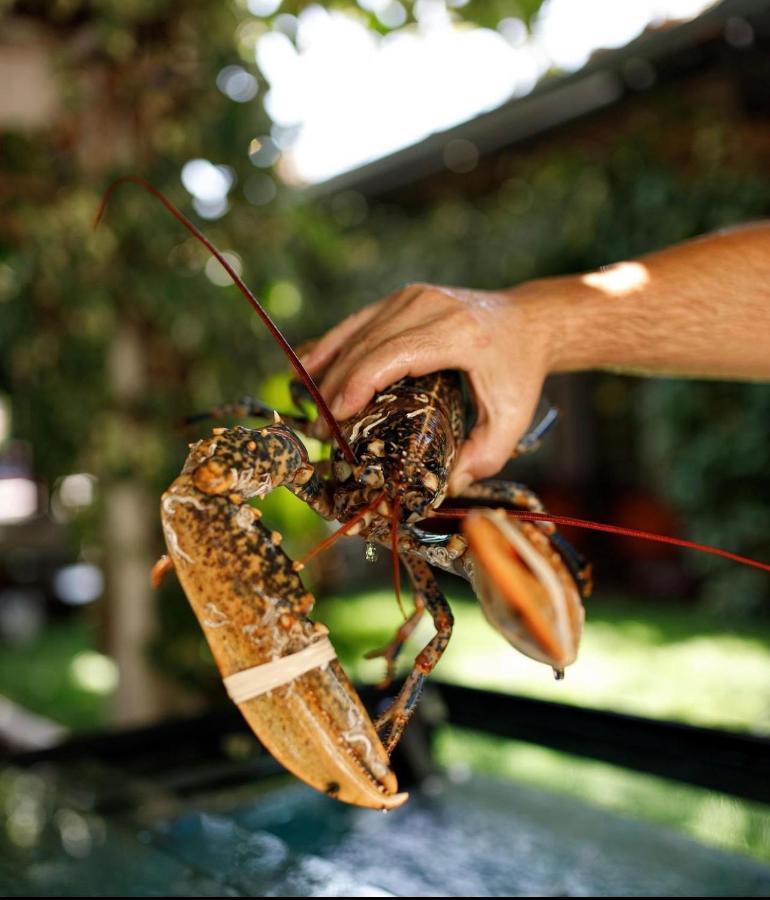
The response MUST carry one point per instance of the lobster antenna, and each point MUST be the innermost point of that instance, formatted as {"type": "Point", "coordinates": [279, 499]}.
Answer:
{"type": "Point", "coordinates": [612, 529]}
{"type": "Point", "coordinates": [343, 529]}
{"type": "Point", "coordinates": [323, 409]}
{"type": "Point", "coordinates": [394, 554]}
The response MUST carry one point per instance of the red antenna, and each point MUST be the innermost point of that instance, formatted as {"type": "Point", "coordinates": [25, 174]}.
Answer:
{"type": "Point", "coordinates": [394, 554]}
{"type": "Point", "coordinates": [343, 529]}
{"type": "Point", "coordinates": [323, 409]}
{"type": "Point", "coordinates": [611, 529]}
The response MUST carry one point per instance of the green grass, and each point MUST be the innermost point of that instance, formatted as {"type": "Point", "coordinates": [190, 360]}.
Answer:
{"type": "Point", "coordinates": [40, 676]}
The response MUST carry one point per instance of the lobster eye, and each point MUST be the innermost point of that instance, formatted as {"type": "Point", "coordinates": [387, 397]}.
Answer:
{"type": "Point", "coordinates": [372, 476]}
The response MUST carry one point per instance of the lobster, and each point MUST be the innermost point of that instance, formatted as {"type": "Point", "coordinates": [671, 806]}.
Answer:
{"type": "Point", "coordinates": [386, 481]}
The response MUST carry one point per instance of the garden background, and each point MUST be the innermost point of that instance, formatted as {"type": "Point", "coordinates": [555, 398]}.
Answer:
{"type": "Point", "coordinates": [109, 337]}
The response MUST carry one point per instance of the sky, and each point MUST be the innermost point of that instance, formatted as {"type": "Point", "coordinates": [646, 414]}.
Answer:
{"type": "Point", "coordinates": [356, 96]}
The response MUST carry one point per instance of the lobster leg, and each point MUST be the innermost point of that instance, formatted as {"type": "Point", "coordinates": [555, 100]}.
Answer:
{"type": "Point", "coordinates": [391, 651]}
{"type": "Point", "coordinates": [159, 571]}
{"type": "Point", "coordinates": [249, 408]}
{"type": "Point", "coordinates": [390, 726]}
{"type": "Point", "coordinates": [510, 492]}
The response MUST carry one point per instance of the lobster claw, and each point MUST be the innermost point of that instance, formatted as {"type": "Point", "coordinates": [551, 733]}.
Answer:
{"type": "Point", "coordinates": [252, 607]}
{"type": "Point", "coordinates": [318, 729]}
{"type": "Point", "coordinates": [526, 591]}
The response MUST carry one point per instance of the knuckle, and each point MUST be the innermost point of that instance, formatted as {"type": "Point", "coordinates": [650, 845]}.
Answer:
{"type": "Point", "coordinates": [437, 295]}
{"type": "Point", "coordinates": [460, 318]}
{"type": "Point", "coordinates": [421, 292]}
{"type": "Point", "coordinates": [416, 287]}
{"type": "Point", "coordinates": [407, 346]}
{"type": "Point", "coordinates": [349, 321]}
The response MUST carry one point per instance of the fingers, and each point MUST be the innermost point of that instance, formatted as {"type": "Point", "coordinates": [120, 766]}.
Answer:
{"type": "Point", "coordinates": [409, 340]}
{"type": "Point", "coordinates": [498, 430]}
{"type": "Point", "coordinates": [318, 356]}
{"type": "Point", "coordinates": [359, 333]}
{"type": "Point", "coordinates": [487, 449]}
{"type": "Point", "coordinates": [426, 328]}
{"type": "Point", "coordinates": [411, 352]}
{"type": "Point", "coordinates": [419, 331]}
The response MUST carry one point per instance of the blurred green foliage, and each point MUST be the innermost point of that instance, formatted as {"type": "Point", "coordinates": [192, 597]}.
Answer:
{"type": "Point", "coordinates": [42, 676]}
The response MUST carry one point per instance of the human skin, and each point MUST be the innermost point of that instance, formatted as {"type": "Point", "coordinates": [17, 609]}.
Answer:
{"type": "Point", "coordinates": [700, 309]}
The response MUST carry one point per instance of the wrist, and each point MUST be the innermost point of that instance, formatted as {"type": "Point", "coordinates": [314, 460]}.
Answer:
{"type": "Point", "coordinates": [561, 317]}
{"type": "Point", "coordinates": [585, 321]}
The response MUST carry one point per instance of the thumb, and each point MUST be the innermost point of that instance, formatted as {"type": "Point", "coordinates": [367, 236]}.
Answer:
{"type": "Point", "coordinates": [487, 449]}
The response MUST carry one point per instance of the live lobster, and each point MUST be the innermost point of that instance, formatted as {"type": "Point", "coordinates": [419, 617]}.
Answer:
{"type": "Point", "coordinates": [387, 481]}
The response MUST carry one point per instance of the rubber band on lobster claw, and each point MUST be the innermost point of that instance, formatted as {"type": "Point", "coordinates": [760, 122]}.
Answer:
{"type": "Point", "coordinates": [526, 590]}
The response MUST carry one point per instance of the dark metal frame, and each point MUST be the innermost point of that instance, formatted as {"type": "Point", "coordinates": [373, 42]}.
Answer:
{"type": "Point", "coordinates": [726, 761]}
{"type": "Point", "coordinates": [189, 755]}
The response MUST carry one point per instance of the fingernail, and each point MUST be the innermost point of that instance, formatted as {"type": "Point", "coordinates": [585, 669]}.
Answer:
{"type": "Point", "coordinates": [460, 483]}
{"type": "Point", "coordinates": [336, 407]}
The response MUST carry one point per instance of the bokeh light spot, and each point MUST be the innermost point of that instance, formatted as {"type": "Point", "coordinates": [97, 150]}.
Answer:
{"type": "Point", "coordinates": [216, 273]}
{"type": "Point", "coordinates": [79, 584]}
{"type": "Point", "coordinates": [206, 181]}
{"type": "Point", "coordinates": [237, 84]}
{"type": "Point", "coordinates": [77, 490]}
{"type": "Point", "coordinates": [259, 189]}
{"type": "Point", "coordinates": [263, 7]}
{"type": "Point", "coordinates": [18, 499]}
{"type": "Point", "coordinates": [391, 14]}
{"type": "Point", "coordinates": [94, 672]}
{"type": "Point", "coordinates": [461, 156]}
{"type": "Point", "coordinates": [284, 300]}
{"type": "Point", "coordinates": [263, 152]}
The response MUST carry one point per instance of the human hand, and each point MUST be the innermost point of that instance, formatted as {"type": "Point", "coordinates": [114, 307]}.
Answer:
{"type": "Point", "coordinates": [496, 338]}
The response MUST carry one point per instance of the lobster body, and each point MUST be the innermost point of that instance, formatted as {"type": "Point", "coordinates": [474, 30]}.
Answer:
{"type": "Point", "coordinates": [389, 475]}
{"type": "Point", "coordinates": [410, 434]}
{"type": "Point", "coordinates": [405, 441]}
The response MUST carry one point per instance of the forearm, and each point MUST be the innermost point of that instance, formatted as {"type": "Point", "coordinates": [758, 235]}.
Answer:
{"type": "Point", "coordinates": [698, 309]}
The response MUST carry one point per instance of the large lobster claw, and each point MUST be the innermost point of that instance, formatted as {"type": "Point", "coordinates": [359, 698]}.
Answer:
{"type": "Point", "coordinates": [253, 609]}
{"type": "Point", "coordinates": [526, 591]}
